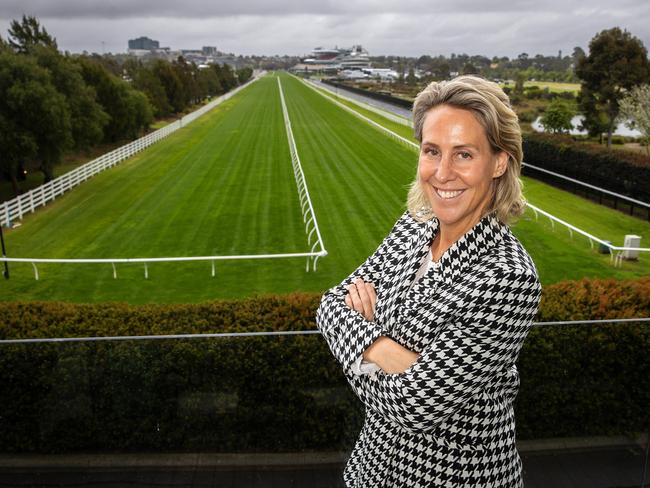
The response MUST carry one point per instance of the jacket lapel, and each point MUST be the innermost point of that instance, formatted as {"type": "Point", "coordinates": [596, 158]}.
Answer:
{"type": "Point", "coordinates": [462, 254]}
{"type": "Point", "coordinates": [402, 274]}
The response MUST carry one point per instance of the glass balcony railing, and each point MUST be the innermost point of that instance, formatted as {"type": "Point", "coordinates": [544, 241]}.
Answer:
{"type": "Point", "coordinates": [275, 410]}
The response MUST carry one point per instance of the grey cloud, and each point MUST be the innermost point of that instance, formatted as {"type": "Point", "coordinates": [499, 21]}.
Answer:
{"type": "Point", "coordinates": [408, 27]}
{"type": "Point", "coordinates": [118, 9]}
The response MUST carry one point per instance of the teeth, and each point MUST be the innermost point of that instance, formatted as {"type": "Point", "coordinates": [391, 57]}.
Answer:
{"type": "Point", "coordinates": [448, 194]}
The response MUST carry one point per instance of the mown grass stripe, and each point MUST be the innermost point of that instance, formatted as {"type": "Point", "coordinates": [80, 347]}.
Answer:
{"type": "Point", "coordinates": [234, 165]}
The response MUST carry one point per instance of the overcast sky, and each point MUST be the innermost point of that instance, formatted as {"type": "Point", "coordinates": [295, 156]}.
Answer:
{"type": "Point", "coordinates": [294, 27]}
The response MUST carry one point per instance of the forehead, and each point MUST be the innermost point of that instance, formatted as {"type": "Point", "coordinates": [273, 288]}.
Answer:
{"type": "Point", "coordinates": [447, 124]}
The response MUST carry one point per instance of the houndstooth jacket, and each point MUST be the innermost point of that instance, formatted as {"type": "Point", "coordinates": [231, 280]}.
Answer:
{"type": "Point", "coordinates": [448, 419]}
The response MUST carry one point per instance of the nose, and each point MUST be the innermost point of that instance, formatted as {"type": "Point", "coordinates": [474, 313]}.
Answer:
{"type": "Point", "coordinates": [444, 170]}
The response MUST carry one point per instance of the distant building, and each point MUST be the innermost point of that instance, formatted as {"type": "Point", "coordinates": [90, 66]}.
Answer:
{"type": "Point", "coordinates": [209, 50]}
{"type": "Point", "coordinates": [384, 74]}
{"type": "Point", "coordinates": [143, 43]}
{"type": "Point", "coordinates": [334, 60]}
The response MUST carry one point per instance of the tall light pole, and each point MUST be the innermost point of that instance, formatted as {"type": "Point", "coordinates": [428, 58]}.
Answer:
{"type": "Point", "coordinates": [4, 255]}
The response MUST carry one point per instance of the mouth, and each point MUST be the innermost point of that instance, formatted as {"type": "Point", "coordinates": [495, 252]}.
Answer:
{"type": "Point", "coordinates": [448, 194]}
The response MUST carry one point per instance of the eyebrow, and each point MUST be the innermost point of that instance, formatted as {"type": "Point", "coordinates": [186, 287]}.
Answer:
{"type": "Point", "coordinates": [459, 146]}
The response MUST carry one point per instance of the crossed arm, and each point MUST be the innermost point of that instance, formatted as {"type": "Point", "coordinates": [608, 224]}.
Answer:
{"type": "Point", "coordinates": [389, 355]}
{"type": "Point", "coordinates": [345, 316]}
{"type": "Point", "coordinates": [495, 313]}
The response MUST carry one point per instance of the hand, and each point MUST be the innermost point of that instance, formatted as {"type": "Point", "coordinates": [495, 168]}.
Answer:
{"type": "Point", "coordinates": [390, 356]}
{"type": "Point", "coordinates": [362, 297]}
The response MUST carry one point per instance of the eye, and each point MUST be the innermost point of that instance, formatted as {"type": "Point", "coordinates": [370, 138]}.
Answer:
{"type": "Point", "coordinates": [431, 151]}
{"type": "Point", "coordinates": [465, 155]}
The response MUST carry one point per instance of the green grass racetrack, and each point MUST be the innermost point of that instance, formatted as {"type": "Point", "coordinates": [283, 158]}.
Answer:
{"type": "Point", "coordinates": [224, 185]}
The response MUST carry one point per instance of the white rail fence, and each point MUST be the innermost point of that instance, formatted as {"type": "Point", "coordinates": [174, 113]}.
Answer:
{"type": "Point", "coordinates": [318, 90]}
{"type": "Point", "coordinates": [587, 185]}
{"type": "Point", "coordinates": [308, 214]}
{"type": "Point", "coordinates": [28, 202]}
{"type": "Point", "coordinates": [616, 252]}
{"type": "Point", "coordinates": [309, 217]}
{"type": "Point", "coordinates": [145, 261]}
{"type": "Point", "coordinates": [366, 106]}
{"type": "Point", "coordinates": [409, 123]}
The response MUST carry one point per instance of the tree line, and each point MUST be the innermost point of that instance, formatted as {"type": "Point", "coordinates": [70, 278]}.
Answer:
{"type": "Point", "coordinates": [614, 87]}
{"type": "Point", "coordinates": [538, 67]}
{"type": "Point", "coordinates": [614, 79]}
{"type": "Point", "coordinates": [55, 102]}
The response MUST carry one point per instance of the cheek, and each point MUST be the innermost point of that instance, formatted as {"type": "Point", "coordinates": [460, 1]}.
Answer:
{"type": "Point", "coordinates": [478, 177]}
{"type": "Point", "coordinates": [424, 171]}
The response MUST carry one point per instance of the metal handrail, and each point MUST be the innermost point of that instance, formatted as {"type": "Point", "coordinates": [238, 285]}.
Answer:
{"type": "Point", "coordinates": [225, 335]}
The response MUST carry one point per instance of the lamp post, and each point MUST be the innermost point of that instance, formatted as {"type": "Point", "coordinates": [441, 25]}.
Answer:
{"type": "Point", "coordinates": [4, 255]}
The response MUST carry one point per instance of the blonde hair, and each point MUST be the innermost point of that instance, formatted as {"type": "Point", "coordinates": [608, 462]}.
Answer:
{"type": "Point", "coordinates": [491, 107]}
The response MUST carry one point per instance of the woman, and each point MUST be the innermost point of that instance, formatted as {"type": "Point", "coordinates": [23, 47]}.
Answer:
{"type": "Point", "coordinates": [429, 328]}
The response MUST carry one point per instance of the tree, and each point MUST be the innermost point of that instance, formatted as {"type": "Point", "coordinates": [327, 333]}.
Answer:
{"type": "Point", "coordinates": [635, 111]}
{"type": "Point", "coordinates": [226, 76]}
{"type": "Point", "coordinates": [145, 80]}
{"type": "Point", "coordinates": [28, 33]}
{"type": "Point", "coordinates": [578, 54]}
{"type": "Point", "coordinates": [171, 83]}
{"type": "Point", "coordinates": [244, 74]}
{"type": "Point", "coordinates": [470, 69]}
{"type": "Point", "coordinates": [617, 61]}
{"type": "Point", "coordinates": [519, 83]}
{"type": "Point", "coordinates": [410, 78]}
{"type": "Point", "coordinates": [557, 117]}
{"type": "Point", "coordinates": [129, 109]}
{"type": "Point", "coordinates": [209, 81]}
{"type": "Point", "coordinates": [185, 75]}
{"type": "Point", "coordinates": [441, 70]}
{"type": "Point", "coordinates": [87, 116]}
{"type": "Point", "coordinates": [34, 117]}
{"type": "Point", "coordinates": [595, 120]}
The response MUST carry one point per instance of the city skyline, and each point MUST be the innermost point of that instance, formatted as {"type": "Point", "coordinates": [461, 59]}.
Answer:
{"type": "Point", "coordinates": [412, 28]}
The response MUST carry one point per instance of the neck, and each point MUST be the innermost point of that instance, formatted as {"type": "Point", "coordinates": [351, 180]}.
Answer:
{"type": "Point", "coordinates": [448, 235]}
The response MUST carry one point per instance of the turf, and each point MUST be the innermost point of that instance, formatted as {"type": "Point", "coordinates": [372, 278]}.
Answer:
{"type": "Point", "coordinates": [558, 255]}
{"type": "Point", "coordinates": [224, 185]}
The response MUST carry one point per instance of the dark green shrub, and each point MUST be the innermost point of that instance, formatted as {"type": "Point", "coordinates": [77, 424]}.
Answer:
{"type": "Point", "coordinates": [619, 171]}
{"type": "Point", "coordinates": [284, 393]}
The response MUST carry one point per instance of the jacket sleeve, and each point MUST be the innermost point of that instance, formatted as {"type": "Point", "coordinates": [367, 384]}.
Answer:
{"type": "Point", "coordinates": [493, 318]}
{"type": "Point", "coordinates": [346, 331]}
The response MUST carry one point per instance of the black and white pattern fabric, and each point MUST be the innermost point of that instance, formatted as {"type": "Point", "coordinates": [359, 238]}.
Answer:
{"type": "Point", "coordinates": [447, 420]}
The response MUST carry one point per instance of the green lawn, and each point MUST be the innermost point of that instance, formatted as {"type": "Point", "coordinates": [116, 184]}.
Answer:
{"type": "Point", "coordinates": [557, 254]}
{"type": "Point", "coordinates": [553, 86]}
{"type": "Point", "coordinates": [224, 185]}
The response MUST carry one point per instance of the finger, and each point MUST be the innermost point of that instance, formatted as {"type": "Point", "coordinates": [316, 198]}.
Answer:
{"type": "Point", "coordinates": [364, 295]}
{"type": "Point", "coordinates": [366, 298]}
{"type": "Point", "coordinates": [348, 300]}
{"type": "Point", "coordinates": [373, 295]}
{"type": "Point", "coordinates": [357, 304]}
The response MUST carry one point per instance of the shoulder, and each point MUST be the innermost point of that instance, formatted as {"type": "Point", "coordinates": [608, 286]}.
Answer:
{"type": "Point", "coordinates": [507, 262]}
{"type": "Point", "coordinates": [409, 222]}
{"type": "Point", "coordinates": [511, 255]}
{"type": "Point", "coordinates": [405, 226]}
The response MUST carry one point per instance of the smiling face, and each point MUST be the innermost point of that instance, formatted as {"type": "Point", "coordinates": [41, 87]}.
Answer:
{"type": "Point", "coordinates": [456, 168]}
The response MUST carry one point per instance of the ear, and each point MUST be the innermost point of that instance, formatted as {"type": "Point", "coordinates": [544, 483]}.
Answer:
{"type": "Point", "coordinates": [501, 164]}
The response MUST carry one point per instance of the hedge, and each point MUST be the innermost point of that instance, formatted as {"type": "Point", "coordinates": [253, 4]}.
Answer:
{"type": "Point", "coordinates": [618, 171]}
{"type": "Point", "coordinates": [400, 102]}
{"type": "Point", "coordinates": [285, 393]}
